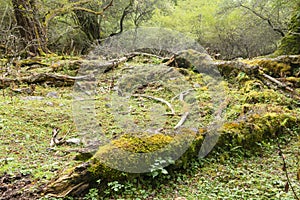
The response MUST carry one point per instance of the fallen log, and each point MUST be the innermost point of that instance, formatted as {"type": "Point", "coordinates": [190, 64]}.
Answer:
{"type": "Point", "coordinates": [50, 79]}
{"type": "Point", "coordinates": [88, 68]}
{"type": "Point", "coordinates": [232, 68]}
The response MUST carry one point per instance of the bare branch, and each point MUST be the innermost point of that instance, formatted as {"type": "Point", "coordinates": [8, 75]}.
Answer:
{"type": "Point", "coordinates": [73, 7]}
{"type": "Point", "coordinates": [182, 120]}
{"type": "Point", "coordinates": [52, 79]}
{"type": "Point", "coordinates": [265, 19]}
{"type": "Point", "coordinates": [280, 84]}
{"type": "Point", "coordinates": [157, 99]}
{"type": "Point", "coordinates": [286, 172]}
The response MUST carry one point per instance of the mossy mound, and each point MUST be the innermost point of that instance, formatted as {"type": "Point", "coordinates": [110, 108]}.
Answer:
{"type": "Point", "coordinates": [282, 66]}
{"type": "Point", "coordinates": [257, 127]}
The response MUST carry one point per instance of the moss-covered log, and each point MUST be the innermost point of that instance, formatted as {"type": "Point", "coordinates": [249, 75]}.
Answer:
{"type": "Point", "coordinates": [132, 154]}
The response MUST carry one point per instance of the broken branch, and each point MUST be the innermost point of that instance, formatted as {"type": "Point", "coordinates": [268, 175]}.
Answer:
{"type": "Point", "coordinates": [182, 120]}
{"type": "Point", "coordinates": [52, 79]}
{"type": "Point", "coordinates": [280, 84]}
{"type": "Point", "coordinates": [157, 99]}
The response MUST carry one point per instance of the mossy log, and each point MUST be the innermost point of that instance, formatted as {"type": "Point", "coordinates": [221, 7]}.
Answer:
{"type": "Point", "coordinates": [58, 80]}
{"type": "Point", "coordinates": [271, 71]}
{"type": "Point", "coordinates": [50, 79]}
{"type": "Point", "coordinates": [132, 154]}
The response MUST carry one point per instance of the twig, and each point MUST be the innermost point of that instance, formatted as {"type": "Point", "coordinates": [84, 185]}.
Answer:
{"type": "Point", "coordinates": [157, 99]}
{"type": "Point", "coordinates": [54, 140]}
{"type": "Point", "coordinates": [170, 61]}
{"type": "Point", "coordinates": [182, 120]}
{"type": "Point", "coordinates": [280, 84]}
{"type": "Point", "coordinates": [181, 95]}
{"type": "Point", "coordinates": [286, 172]}
{"type": "Point", "coordinates": [269, 81]}
{"type": "Point", "coordinates": [133, 54]}
{"type": "Point", "coordinates": [185, 115]}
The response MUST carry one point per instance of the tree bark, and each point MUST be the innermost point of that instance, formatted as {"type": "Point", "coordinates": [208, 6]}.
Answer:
{"type": "Point", "coordinates": [30, 28]}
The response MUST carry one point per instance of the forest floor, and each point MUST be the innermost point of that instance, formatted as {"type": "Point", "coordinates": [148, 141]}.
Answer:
{"type": "Point", "coordinates": [30, 158]}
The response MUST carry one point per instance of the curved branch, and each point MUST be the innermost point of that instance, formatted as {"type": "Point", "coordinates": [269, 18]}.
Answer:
{"type": "Point", "coordinates": [157, 99]}
{"type": "Point", "coordinates": [126, 11]}
{"type": "Point", "coordinates": [73, 7]}
{"type": "Point", "coordinates": [265, 19]}
{"type": "Point", "coordinates": [289, 184]}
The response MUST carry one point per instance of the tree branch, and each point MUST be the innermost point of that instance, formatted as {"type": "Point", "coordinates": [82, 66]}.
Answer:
{"type": "Point", "coordinates": [73, 7]}
{"type": "Point", "coordinates": [264, 18]}
{"type": "Point", "coordinates": [289, 184]}
{"type": "Point", "coordinates": [182, 120]}
{"type": "Point", "coordinates": [126, 11]}
{"type": "Point", "coordinates": [157, 99]}
{"type": "Point", "coordinates": [52, 79]}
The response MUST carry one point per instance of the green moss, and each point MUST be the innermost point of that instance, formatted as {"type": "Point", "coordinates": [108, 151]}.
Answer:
{"type": "Point", "coordinates": [143, 144]}
{"type": "Point", "coordinates": [294, 80]}
{"type": "Point", "coordinates": [273, 68]}
{"type": "Point", "coordinates": [290, 43]}
{"type": "Point", "coordinates": [252, 85]}
{"type": "Point", "coordinates": [258, 127]}
{"type": "Point", "coordinates": [125, 152]}
{"type": "Point", "coordinates": [228, 71]}
{"type": "Point", "coordinates": [266, 96]}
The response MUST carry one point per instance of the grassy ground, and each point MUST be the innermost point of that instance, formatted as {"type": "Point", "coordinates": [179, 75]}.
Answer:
{"type": "Point", "coordinates": [26, 131]}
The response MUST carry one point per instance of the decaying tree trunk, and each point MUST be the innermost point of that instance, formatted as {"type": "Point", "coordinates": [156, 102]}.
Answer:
{"type": "Point", "coordinates": [30, 28]}
{"type": "Point", "coordinates": [59, 80]}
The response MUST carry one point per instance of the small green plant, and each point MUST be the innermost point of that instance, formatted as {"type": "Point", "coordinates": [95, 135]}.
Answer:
{"type": "Point", "coordinates": [157, 168]}
{"type": "Point", "coordinates": [92, 195]}
{"type": "Point", "coordinates": [115, 186]}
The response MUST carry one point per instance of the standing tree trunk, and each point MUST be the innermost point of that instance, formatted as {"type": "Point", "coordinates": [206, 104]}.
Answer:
{"type": "Point", "coordinates": [30, 28]}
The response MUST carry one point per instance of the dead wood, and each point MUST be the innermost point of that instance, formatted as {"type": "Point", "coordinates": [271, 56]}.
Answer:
{"type": "Point", "coordinates": [231, 68]}
{"type": "Point", "coordinates": [157, 99]}
{"type": "Point", "coordinates": [50, 79]}
{"type": "Point", "coordinates": [78, 179]}
{"type": "Point", "coordinates": [186, 114]}
{"type": "Point", "coordinates": [226, 68]}
{"type": "Point", "coordinates": [87, 67]}
{"type": "Point", "coordinates": [55, 140]}
{"type": "Point", "coordinates": [182, 120]}
{"type": "Point", "coordinates": [134, 54]}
